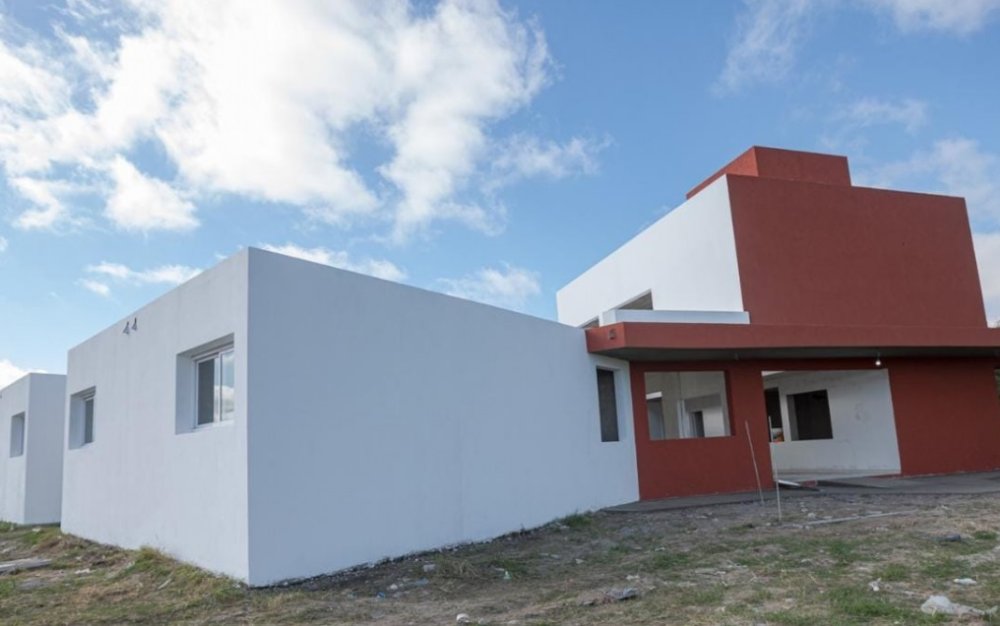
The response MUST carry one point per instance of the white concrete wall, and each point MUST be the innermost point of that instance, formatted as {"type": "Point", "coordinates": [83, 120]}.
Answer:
{"type": "Point", "coordinates": [687, 260]}
{"type": "Point", "coordinates": [31, 484]}
{"type": "Point", "coordinates": [386, 419]}
{"type": "Point", "coordinates": [46, 419]}
{"type": "Point", "coordinates": [864, 429]}
{"type": "Point", "coordinates": [141, 482]}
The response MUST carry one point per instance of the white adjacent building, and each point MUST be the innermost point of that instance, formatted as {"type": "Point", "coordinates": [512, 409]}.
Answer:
{"type": "Point", "coordinates": [274, 418]}
{"type": "Point", "coordinates": [31, 449]}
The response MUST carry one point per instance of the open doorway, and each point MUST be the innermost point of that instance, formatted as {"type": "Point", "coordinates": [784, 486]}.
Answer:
{"type": "Point", "coordinates": [827, 424]}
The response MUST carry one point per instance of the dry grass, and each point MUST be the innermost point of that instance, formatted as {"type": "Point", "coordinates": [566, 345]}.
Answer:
{"type": "Point", "coordinates": [717, 565]}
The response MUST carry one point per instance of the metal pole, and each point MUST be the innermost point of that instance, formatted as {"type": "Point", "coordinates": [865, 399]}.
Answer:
{"type": "Point", "coordinates": [753, 457]}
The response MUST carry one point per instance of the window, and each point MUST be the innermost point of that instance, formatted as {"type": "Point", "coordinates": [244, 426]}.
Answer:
{"type": "Point", "coordinates": [607, 400]}
{"type": "Point", "coordinates": [88, 420]}
{"type": "Point", "coordinates": [17, 435]}
{"type": "Point", "coordinates": [687, 405]}
{"type": "Point", "coordinates": [82, 408]}
{"type": "Point", "coordinates": [809, 415]}
{"type": "Point", "coordinates": [214, 387]}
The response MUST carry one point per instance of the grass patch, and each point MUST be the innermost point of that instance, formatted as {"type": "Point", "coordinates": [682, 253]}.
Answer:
{"type": "Point", "coordinates": [984, 535]}
{"type": "Point", "coordinates": [670, 560]}
{"type": "Point", "coordinates": [893, 573]}
{"type": "Point", "coordinates": [577, 521]}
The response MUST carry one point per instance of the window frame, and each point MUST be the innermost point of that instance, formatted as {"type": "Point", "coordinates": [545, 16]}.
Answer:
{"type": "Point", "coordinates": [215, 355]}
{"type": "Point", "coordinates": [87, 433]}
{"type": "Point", "coordinates": [614, 404]}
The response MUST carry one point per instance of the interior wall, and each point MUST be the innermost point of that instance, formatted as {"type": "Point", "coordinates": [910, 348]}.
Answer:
{"type": "Point", "coordinates": [861, 416]}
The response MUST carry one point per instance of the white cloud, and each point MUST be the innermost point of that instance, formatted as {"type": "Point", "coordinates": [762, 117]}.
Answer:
{"type": "Point", "coordinates": [526, 156]}
{"type": "Point", "coordinates": [10, 372]}
{"type": "Point", "coordinates": [988, 258]}
{"type": "Point", "coordinates": [116, 272]}
{"type": "Point", "coordinates": [509, 287]}
{"type": "Point", "coordinates": [956, 166]}
{"type": "Point", "coordinates": [768, 35]}
{"type": "Point", "coordinates": [909, 113]}
{"type": "Point", "coordinates": [94, 286]}
{"type": "Point", "coordinates": [268, 102]}
{"type": "Point", "coordinates": [3, 244]}
{"type": "Point", "coordinates": [379, 268]}
{"type": "Point", "coordinates": [141, 203]}
{"type": "Point", "coordinates": [959, 17]}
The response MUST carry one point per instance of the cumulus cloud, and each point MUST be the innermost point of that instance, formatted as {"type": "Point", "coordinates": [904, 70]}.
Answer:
{"type": "Point", "coordinates": [526, 156]}
{"type": "Point", "coordinates": [379, 268]}
{"type": "Point", "coordinates": [103, 273]}
{"type": "Point", "coordinates": [768, 35]}
{"type": "Point", "coordinates": [956, 166]}
{"type": "Point", "coordinates": [209, 85]}
{"type": "Point", "coordinates": [909, 113]}
{"type": "Point", "coordinates": [96, 286]}
{"type": "Point", "coordinates": [10, 372]}
{"type": "Point", "coordinates": [141, 203]}
{"type": "Point", "coordinates": [508, 287]}
{"type": "Point", "coordinates": [959, 17]}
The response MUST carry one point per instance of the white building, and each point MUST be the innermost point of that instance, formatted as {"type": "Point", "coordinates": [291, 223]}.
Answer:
{"type": "Point", "coordinates": [274, 419]}
{"type": "Point", "coordinates": [31, 449]}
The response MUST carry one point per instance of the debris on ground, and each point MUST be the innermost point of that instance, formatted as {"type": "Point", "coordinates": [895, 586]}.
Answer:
{"type": "Point", "coordinates": [20, 565]}
{"type": "Point", "coordinates": [964, 581]}
{"type": "Point", "coordinates": [615, 595]}
{"type": "Point", "coordinates": [463, 618]}
{"type": "Point", "coordinates": [875, 585]}
{"type": "Point", "coordinates": [941, 605]}
{"type": "Point", "coordinates": [950, 538]}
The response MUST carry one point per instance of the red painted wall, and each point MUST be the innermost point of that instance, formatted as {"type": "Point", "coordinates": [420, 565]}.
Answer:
{"type": "Point", "coordinates": [850, 256]}
{"type": "Point", "coordinates": [684, 467]}
{"type": "Point", "coordinates": [947, 420]}
{"type": "Point", "coordinates": [947, 415]}
{"type": "Point", "coordinates": [813, 167]}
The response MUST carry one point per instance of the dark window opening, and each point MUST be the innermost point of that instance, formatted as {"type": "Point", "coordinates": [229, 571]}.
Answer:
{"type": "Point", "coordinates": [772, 404]}
{"type": "Point", "coordinates": [811, 415]}
{"type": "Point", "coordinates": [607, 400]}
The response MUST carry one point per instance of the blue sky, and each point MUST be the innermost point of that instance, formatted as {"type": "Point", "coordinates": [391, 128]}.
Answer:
{"type": "Point", "coordinates": [493, 151]}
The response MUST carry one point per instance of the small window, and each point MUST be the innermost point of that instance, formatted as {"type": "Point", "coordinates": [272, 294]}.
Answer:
{"type": "Point", "coordinates": [17, 435]}
{"type": "Point", "coordinates": [607, 400]}
{"type": "Point", "coordinates": [686, 405]}
{"type": "Point", "coordinates": [82, 408]}
{"type": "Point", "coordinates": [809, 415]}
{"type": "Point", "coordinates": [88, 420]}
{"type": "Point", "coordinates": [215, 387]}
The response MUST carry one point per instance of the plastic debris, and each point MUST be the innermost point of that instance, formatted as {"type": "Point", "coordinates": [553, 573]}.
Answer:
{"type": "Point", "coordinates": [463, 618]}
{"type": "Point", "coordinates": [875, 585]}
{"type": "Point", "coordinates": [964, 581]}
{"type": "Point", "coordinates": [941, 605]}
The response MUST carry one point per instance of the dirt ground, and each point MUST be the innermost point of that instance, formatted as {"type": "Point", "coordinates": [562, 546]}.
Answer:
{"type": "Point", "coordinates": [730, 564]}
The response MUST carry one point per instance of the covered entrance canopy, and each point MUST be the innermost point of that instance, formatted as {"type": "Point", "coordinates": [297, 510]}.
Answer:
{"type": "Point", "coordinates": [850, 401]}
